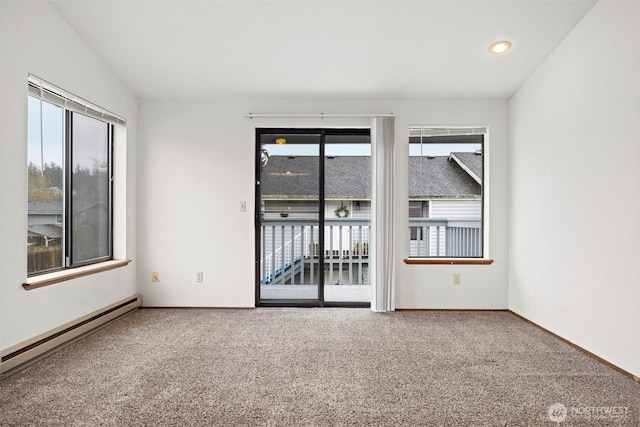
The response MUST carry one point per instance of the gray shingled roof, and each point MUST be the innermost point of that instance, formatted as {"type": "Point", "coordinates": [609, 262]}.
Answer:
{"type": "Point", "coordinates": [439, 177]}
{"type": "Point", "coordinates": [290, 176]}
{"type": "Point", "coordinates": [44, 207]}
{"type": "Point", "coordinates": [50, 230]}
{"type": "Point", "coordinates": [473, 161]}
{"type": "Point", "coordinates": [348, 177]}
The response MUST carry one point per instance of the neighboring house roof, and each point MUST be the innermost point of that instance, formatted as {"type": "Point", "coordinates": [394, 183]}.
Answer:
{"type": "Point", "coordinates": [346, 177]}
{"type": "Point", "coordinates": [44, 207]}
{"type": "Point", "coordinates": [54, 207]}
{"type": "Point", "coordinates": [284, 177]}
{"type": "Point", "coordinates": [52, 231]}
{"type": "Point", "coordinates": [438, 176]}
{"type": "Point", "coordinates": [80, 207]}
{"type": "Point", "coordinates": [349, 177]}
{"type": "Point", "coordinates": [470, 162]}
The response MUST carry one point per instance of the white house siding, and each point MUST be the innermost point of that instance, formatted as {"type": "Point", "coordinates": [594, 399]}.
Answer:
{"type": "Point", "coordinates": [301, 209]}
{"type": "Point", "coordinates": [364, 212]}
{"type": "Point", "coordinates": [331, 206]}
{"type": "Point", "coordinates": [307, 209]}
{"type": "Point", "coordinates": [450, 209]}
{"type": "Point", "coordinates": [38, 219]}
{"type": "Point", "coordinates": [455, 209]}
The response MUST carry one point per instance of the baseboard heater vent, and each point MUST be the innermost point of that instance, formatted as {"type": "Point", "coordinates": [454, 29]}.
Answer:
{"type": "Point", "coordinates": [28, 350]}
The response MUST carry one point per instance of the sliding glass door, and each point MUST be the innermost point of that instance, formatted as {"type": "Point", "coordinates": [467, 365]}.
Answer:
{"type": "Point", "coordinates": [288, 234]}
{"type": "Point", "coordinates": [312, 216]}
{"type": "Point", "coordinates": [347, 184]}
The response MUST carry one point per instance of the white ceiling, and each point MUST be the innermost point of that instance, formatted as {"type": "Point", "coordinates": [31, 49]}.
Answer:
{"type": "Point", "coordinates": [319, 48]}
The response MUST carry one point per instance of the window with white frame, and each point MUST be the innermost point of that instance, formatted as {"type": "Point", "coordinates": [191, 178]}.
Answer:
{"type": "Point", "coordinates": [69, 165]}
{"type": "Point", "coordinates": [446, 168]}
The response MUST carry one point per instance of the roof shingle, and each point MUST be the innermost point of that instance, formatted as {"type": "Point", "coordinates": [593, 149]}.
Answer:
{"type": "Point", "coordinates": [349, 177]}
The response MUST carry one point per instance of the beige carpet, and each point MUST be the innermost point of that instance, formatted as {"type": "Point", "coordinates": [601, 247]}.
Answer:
{"type": "Point", "coordinates": [285, 366]}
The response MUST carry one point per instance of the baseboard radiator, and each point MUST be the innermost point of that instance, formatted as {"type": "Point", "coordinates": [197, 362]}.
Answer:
{"type": "Point", "coordinates": [26, 351]}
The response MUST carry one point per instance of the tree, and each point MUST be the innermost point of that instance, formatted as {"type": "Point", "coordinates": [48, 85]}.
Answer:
{"type": "Point", "coordinates": [53, 174]}
{"type": "Point", "coordinates": [264, 157]}
{"type": "Point", "coordinates": [45, 185]}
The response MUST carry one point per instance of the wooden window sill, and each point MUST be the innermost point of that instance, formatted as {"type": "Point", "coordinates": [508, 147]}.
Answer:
{"type": "Point", "coordinates": [71, 273]}
{"type": "Point", "coordinates": [449, 261]}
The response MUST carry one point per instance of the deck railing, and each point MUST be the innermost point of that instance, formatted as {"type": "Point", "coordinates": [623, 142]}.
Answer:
{"type": "Point", "coordinates": [290, 252]}
{"type": "Point", "coordinates": [445, 238]}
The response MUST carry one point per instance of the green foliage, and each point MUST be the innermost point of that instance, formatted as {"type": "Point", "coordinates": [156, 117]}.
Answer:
{"type": "Point", "coordinates": [264, 157]}
{"type": "Point", "coordinates": [342, 211]}
{"type": "Point", "coordinates": [53, 174]}
{"type": "Point", "coordinates": [47, 184]}
{"type": "Point", "coordinates": [90, 185]}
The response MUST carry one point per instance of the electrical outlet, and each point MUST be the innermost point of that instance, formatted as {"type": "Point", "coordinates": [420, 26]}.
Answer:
{"type": "Point", "coordinates": [154, 276]}
{"type": "Point", "coordinates": [199, 276]}
{"type": "Point", "coordinates": [456, 278]}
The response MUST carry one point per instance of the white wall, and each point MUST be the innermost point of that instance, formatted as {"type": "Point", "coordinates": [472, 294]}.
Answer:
{"type": "Point", "coordinates": [575, 188]}
{"type": "Point", "coordinates": [34, 39]}
{"type": "Point", "coordinates": [197, 165]}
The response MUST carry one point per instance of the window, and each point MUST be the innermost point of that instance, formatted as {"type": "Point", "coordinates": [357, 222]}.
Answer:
{"type": "Point", "coordinates": [417, 210]}
{"type": "Point", "coordinates": [69, 215]}
{"type": "Point", "coordinates": [445, 192]}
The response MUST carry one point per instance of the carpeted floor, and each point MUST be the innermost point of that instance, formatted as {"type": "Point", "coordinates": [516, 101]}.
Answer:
{"type": "Point", "coordinates": [286, 366]}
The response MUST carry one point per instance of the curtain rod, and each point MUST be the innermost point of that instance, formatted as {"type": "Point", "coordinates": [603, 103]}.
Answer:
{"type": "Point", "coordinates": [316, 116]}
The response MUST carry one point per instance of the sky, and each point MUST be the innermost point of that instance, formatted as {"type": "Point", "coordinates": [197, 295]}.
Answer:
{"type": "Point", "coordinates": [313, 149]}
{"type": "Point", "coordinates": [425, 149]}
{"type": "Point", "coordinates": [89, 137]}
{"type": "Point", "coordinates": [53, 127]}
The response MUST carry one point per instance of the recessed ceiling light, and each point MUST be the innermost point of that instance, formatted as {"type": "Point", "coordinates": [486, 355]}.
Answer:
{"type": "Point", "coordinates": [281, 141]}
{"type": "Point", "coordinates": [500, 47]}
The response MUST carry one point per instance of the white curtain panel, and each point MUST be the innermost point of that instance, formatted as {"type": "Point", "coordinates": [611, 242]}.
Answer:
{"type": "Point", "coordinates": [382, 271]}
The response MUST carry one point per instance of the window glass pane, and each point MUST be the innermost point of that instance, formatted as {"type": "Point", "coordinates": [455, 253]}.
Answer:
{"type": "Point", "coordinates": [90, 195]}
{"type": "Point", "coordinates": [445, 196]}
{"type": "Point", "coordinates": [347, 173]}
{"type": "Point", "coordinates": [45, 186]}
{"type": "Point", "coordinates": [289, 266]}
{"type": "Point", "coordinates": [69, 184]}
